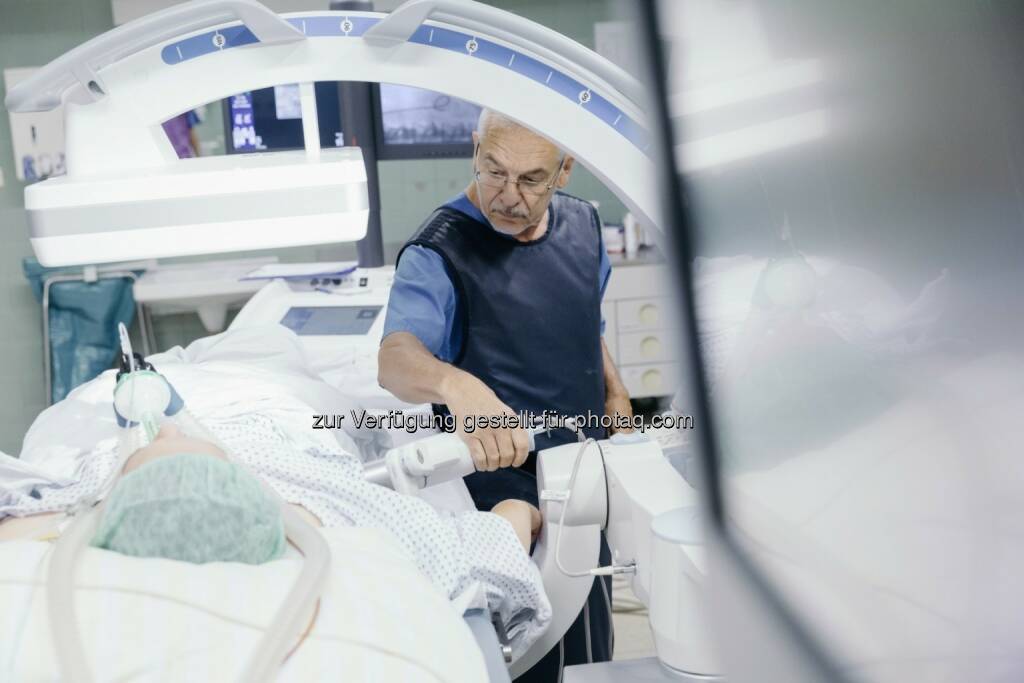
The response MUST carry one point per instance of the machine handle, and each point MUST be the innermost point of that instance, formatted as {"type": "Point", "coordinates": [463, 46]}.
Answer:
{"type": "Point", "coordinates": [427, 462]}
{"type": "Point", "coordinates": [446, 458]}
{"type": "Point", "coordinates": [44, 90]}
{"type": "Point", "coordinates": [398, 26]}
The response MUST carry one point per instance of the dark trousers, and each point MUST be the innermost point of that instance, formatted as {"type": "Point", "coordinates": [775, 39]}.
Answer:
{"type": "Point", "coordinates": [590, 638]}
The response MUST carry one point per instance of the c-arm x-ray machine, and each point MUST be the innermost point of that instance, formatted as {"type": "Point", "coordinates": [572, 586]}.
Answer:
{"type": "Point", "coordinates": [127, 196]}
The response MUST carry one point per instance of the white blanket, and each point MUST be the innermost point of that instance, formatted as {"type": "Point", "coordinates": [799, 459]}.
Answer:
{"type": "Point", "coordinates": [260, 402]}
{"type": "Point", "coordinates": [380, 619]}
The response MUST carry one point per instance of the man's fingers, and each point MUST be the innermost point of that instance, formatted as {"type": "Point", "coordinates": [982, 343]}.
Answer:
{"type": "Point", "coordinates": [506, 449]}
{"type": "Point", "coordinates": [521, 443]}
{"type": "Point", "coordinates": [493, 456]}
{"type": "Point", "coordinates": [476, 449]}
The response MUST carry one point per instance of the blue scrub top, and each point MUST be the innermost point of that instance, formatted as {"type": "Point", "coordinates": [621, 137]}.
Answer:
{"type": "Point", "coordinates": [423, 300]}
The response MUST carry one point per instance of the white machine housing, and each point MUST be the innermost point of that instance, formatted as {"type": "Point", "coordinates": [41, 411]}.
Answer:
{"type": "Point", "coordinates": [234, 203]}
{"type": "Point", "coordinates": [627, 487]}
{"type": "Point", "coordinates": [365, 289]}
{"type": "Point", "coordinates": [339, 326]}
{"type": "Point", "coordinates": [118, 88]}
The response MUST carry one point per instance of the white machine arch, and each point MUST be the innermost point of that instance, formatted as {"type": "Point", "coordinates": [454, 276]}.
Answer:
{"type": "Point", "coordinates": [119, 87]}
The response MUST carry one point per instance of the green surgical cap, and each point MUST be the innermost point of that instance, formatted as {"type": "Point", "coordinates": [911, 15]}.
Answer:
{"type": "Point", "coordinates": [194, 508]}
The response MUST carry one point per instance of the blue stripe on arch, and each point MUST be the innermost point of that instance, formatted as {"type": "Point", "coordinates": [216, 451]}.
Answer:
{"type": "Point", "coordinates": [320, 27]}
{"type": "Point", "coordinates": [602, 108]}
{"type": "Point", "coordinates": [530, 67]}
{"type": "Point", "coordinates": [440, 37]}
{"type": "Point", "coordinates": [635, 133]}
{"type": "Point", "coordinates": [205, 43]}
{"type": "Point", "coordinates": [434, 36]}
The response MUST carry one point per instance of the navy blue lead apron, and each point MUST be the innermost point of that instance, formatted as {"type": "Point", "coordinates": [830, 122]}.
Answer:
{"type": "Point", "coordinates": [531, 311]}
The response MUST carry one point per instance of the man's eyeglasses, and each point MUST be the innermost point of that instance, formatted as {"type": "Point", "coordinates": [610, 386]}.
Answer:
{"type": "Point", "coordinates": [528, 186]}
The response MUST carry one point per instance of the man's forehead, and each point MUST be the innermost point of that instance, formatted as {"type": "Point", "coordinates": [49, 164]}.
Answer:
{"type": "Point", "coordinates": [523, 149]}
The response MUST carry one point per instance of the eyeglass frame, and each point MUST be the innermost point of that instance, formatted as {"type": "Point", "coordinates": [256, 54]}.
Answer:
{"type": "Point", "coordinates": [547, 187]}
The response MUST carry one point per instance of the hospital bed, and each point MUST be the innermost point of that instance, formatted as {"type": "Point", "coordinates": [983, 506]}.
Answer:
{"type": "Point", "coordinates": [223, 377]}
{"type": "Point", "coordinates": [127, 196]}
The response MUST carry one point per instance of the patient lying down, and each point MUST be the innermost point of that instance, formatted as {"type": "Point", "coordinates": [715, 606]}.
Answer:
{"type": "Point", "coordinates": [181, 498]}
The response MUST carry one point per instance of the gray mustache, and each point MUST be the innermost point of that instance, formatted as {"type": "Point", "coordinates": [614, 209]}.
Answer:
{"type": "Point", "coordinates": [513, 214]}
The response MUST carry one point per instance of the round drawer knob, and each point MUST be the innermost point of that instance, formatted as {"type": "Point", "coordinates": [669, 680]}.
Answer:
{"type": "Point", "coordinates": [652, 380]}
{"type": "Point", "coordinates": [650, 346]}
{"type": "Point", "coordinates": [649, 314]}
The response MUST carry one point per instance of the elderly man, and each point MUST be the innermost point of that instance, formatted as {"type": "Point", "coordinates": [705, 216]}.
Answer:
{"type": "Point", "coordinates": [496, 309]}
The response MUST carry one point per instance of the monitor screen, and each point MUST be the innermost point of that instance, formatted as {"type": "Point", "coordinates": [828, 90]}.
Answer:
{"type": "Point", "coordinates": [414, 123]}
{"type": "Point", "coordinates": [330, 320]}
{"type": "Point", "coordinates": [270, 119]}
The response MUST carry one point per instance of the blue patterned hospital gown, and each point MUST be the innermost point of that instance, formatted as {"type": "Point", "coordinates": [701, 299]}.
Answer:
{"type": "Point", "coordinates": [462, 553]}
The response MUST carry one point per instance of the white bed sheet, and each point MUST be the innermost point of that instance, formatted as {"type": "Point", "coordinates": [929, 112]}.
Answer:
{"type": "Point", "coordinates": [380, 619]}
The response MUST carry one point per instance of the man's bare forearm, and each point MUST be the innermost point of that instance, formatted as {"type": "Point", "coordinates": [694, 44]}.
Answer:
{"type": "Point", "coordinates": [616, 396]}
{"type": "Point", "coordinates": [613, 384]}
{"type": "Point", "coordinates": [409, 371]}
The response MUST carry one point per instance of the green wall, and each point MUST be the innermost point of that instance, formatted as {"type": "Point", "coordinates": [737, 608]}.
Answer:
{"type": "Point", "coordinates": [32, 32]}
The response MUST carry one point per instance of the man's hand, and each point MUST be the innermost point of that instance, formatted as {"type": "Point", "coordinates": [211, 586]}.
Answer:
{"type": "Point", "coordinates": [616, 396]}
{"type": "Point", "coordinates": [617, 406]}
{"type": "Point", "coordinates": [492, 448]}
{"type": "Point", "coordinates": [408, 370]}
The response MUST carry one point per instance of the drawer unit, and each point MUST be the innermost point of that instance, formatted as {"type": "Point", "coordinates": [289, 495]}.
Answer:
{"type": "Point", "coordinates": [645, 347]}
{"type": "Point", "coordinates": [642, 314]}
{"type": "Point", "coordinates": [638, 280]}
{"type": "Point", "coordinates": [655, 379]}
{"type": "Point", "coordinates": [639, 316]}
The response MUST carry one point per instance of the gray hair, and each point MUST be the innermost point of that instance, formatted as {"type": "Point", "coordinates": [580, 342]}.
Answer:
{"type": "Point", "coordinates": [491, 120]}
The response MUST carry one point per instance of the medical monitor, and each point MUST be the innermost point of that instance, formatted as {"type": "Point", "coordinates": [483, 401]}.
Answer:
{"type": "Point", "coordinates": [413, 123]}
{"type": "Point", "coordinates": [270, 119]}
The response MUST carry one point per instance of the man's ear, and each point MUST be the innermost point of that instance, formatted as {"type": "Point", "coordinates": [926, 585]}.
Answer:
{"type": "Point", "coordinates": [563, 177]}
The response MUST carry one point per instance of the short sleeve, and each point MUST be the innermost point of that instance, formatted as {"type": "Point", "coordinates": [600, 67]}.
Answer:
{"type": "Point", "coordinates": [422, 301]}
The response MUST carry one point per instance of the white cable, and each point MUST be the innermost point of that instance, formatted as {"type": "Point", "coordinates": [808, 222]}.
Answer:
{"type": "Point", "coordinates": [608, 570]}
{"type": "Point", "coordinates": [20, 630]}
{"type": "Point", "coordinates": [71, 660]}
{"type": "Point", "coordinates": [565, 507]}
{"type": "Point", "coordinates": [61, 609]}
{"type": "Point", "coordinates": [125, 447]}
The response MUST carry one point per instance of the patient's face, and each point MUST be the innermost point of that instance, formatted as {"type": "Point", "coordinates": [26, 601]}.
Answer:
{"type": "Point", "coordinates": [170, 441]}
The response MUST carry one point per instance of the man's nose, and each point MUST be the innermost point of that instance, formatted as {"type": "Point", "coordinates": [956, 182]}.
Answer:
{"type": "Point", "coordinates": [510, 194]}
